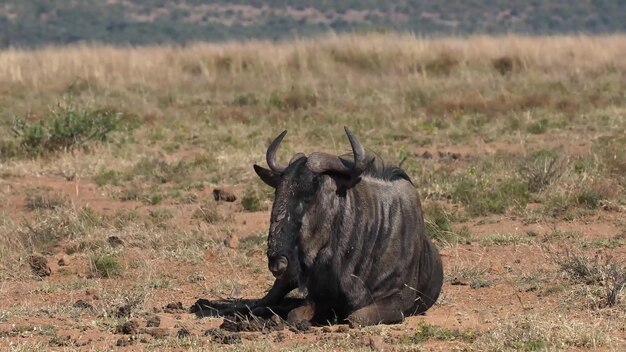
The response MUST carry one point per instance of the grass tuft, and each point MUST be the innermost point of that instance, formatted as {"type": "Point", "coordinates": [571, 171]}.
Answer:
{"type": "Point", "coordinates": [105, 266]}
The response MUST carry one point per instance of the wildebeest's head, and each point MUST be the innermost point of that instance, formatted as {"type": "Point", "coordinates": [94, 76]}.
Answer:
{"type": "Point", "coordinates": [297, 188]}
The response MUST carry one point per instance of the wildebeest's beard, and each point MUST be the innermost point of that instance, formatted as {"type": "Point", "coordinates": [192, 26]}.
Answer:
{"type": "Point", "coordinates": [294, 196]}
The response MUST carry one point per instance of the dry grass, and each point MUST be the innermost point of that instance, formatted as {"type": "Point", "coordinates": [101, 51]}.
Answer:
{"type": "Point", "coordinates": [555, 333]}
{"type": "Point", "coordinates": [402, 54]}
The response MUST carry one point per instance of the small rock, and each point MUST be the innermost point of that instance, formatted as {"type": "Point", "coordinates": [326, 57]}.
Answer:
{"type": "Point", "coordinates": [182, 333]}
{"type": "Point", "coordinates": [115, 241]}
{"type": "Point", "coordinates": [124, 341]}
{"type": "Point", "coordinates": [457, 282]}
{"type": "Point", "coordinates": [300, 326]}
{"type": "Point", "coordinates": [343, 328]}
{"type": "Point", "coordinates": [153, 322]}
{"type": "Point", "coordinates": [275, 323]}
{"type": "Point", "coordinates": [280, 337]}
{"type": "Point", "coordinates": [455, 156]}
{"type": "Point", "coordinates": [64, 261]}
{"type": "Point", "coordinates": [495, 269]}
{"type": "Point", "coordinates": [326, 329]}
{"type": "Point", "coordinates": [128, 328]}
{"type": "Point", "coordinates": [232, 241]}
{"type": "Point", "coordinates": [377, 343]}
{"type": "Point", "coordinates": [39, 265]}
{"type": "Point", "coordinates": [92, 292]}
{"type": "Point", "coordinates": [124, 311]}
{"type": "Point", "coordinates": [80, 304]}
{"type": "Point", "coordinates": [220, 194]}
{"type": "Point", "coordinates": [175, 307]}
{"type": "Point", "coordinates": [427, 155]}
{"type": "Point", "coordinates": [480, 283]}
{"type": "Point", "coordinates": [81, 343]}
{"type": "Point", "coordinates": [60, 341]}
{"type": "Point", "coordinates": [220, 337]}
{"type": "Point", "coordinates": [158, 333]}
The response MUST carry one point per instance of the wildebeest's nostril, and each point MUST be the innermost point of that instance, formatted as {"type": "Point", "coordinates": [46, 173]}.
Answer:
{"type": "Point", "coordinates": [278, 265]}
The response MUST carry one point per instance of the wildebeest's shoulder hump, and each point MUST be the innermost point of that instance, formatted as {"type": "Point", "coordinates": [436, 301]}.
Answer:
{"type": "Point", "coordinates": [379, 170]}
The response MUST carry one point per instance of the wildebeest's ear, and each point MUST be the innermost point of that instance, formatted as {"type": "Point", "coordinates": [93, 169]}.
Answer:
{"type": "Point", "coordinates": [270, 177]}
{"type": "Point", "coordinates": [344, 183]}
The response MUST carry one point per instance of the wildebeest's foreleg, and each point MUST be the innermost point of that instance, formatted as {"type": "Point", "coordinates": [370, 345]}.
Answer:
{"type": "Point", "coordinates": [273, 298]}
{"type": "Point", "coordinates": [384, 311]}
{"type": "Point", "coordinates": [279, 289]}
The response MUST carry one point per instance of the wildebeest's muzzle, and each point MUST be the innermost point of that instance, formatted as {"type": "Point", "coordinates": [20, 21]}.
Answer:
{"type": "Point", "coordinates": [278, 265]}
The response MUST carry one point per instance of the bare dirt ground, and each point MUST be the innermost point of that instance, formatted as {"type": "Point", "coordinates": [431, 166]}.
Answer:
{"type": "Point", "coordinates": [488, 283]}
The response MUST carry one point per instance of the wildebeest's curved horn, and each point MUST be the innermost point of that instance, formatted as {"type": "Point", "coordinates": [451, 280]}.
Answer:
{"type": "Point", "coordinates": [270, 156]}
{"type": "Point", "coordinates": [296, 157]}
{"type": "Point", "coordinates": [322, 162]}
{"type": "Point", "coordinates": [360, 164]}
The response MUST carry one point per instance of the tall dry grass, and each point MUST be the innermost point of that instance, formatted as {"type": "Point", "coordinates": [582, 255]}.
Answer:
{"type": "Point", "coordinates": [54, 67]}
{"type": "Point", "coordinates": [399, 90]}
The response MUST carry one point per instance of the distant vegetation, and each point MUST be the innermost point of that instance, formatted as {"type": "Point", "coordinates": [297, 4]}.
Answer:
{"type": "Point", "coordinates": [28, 23]}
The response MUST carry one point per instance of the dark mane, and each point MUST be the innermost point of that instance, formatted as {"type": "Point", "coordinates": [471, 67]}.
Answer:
{"type": "Point", "coordinates": [378, 169]}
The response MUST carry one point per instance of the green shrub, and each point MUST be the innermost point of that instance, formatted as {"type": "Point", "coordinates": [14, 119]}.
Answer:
{"type": "Point", "coordinates": [107, 177]}
{"type": "Point", "coordinates": [481, 199]}
{"type": "Point", "coordinates": [207, 213]}
{"type": "Point", "coordinates": [538, 127]}
{"type": "Point", "coordinates": [250, 201]}
{"type": "Point", "coordinates": [68, 127]}
{"type": "Point", "coordinates": [105, 266]}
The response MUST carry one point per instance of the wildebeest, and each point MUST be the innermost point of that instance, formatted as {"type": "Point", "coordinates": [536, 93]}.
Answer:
{"type": "Point", "coordinates": [352, 233]}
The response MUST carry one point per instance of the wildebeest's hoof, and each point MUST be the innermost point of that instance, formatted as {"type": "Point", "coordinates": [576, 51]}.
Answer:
{"type": "Point", "coordinates": [261, 311]}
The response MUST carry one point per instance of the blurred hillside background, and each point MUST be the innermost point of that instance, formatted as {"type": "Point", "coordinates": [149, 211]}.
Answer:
{"type": "Point", "coordinates": [32, 23]}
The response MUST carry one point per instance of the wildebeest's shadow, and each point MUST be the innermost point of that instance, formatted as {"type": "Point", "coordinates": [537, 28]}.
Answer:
{"type": "Point", "coordinates": [244, 307]}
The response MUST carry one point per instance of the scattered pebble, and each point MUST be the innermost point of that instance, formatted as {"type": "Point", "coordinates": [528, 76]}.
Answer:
{"type": "Point", "coordinates": [158, 333]}
{"type": "Point", "coordinates": [300, 326]}
{"type": "Point", "coordinates": [39, 265]}
{"type": "Point", "coordinates": [182, 333]}
{"type": "Point", "coordinates": [252, 323]}
{"type": "Point", "coordinates": [219, 336]}
{"type": "Point", "coordinates": [128, 328]}
{"type": "Point", "coordinates": [377, 343]}
{"type": "Point", "coordinates": [232, 241]}
{"type": "Point", "coordinates": [343, 328]}
{"type": "Point", "coordinates": [174, 307]}
{"type": "Point", "coordinates": [124, 311]}
{"type": "Point", "coordinates": [458, 282]}
{"type": "Point", "coordinates": [64, 261]}
{"type": "Point", "coordinates": [153, 321]}
{"type": "Point", "coordinates": [60, 341]}
{"type": "Point", "coordinates": [220, 194]}
{"type": "Point", "coordinates": [80, 304]}
{"type": "Point", "coordinates": [115, 241]}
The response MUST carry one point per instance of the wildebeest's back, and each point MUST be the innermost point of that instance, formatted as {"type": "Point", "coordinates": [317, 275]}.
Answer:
{"type": "Point", "coordinates": [382, 246]}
